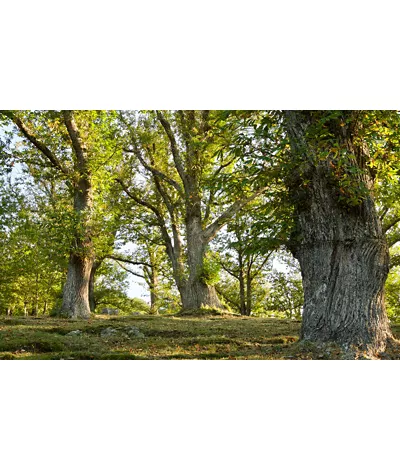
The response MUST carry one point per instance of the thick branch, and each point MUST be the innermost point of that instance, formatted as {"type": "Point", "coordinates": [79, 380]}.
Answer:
{"type": "Point", "coordinates": [125, 260]}
{"type": "Point", "coordinates": [36, 142]}
{"type": "Point", "coordinates": [228, 299]}
{"type": "Point", "coordinates": [393, 239]}
{"type": "Point", "coordinates": [229, 271]}
{"type": "Point", "coordinates": [210, 232]}
{"type": "Point", "coordinates": [389, 225]}
{"type": "Point", "coordinates": [77, 143]}
{"type": "Point", "coordinates": [174, 147]}
{"type": "Point", "coordinates": [161, 222]}
{"type": "Point", "coordinates": [155, 171]}
{"type": "Point", "coordinates": [257, 271]}
{"type": "Point", "coordinates": [138, 200]}
{"type": "Point", "coordinates": [129, 271]}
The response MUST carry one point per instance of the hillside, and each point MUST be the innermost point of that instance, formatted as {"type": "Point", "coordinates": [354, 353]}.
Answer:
{"type": "Point", "coordinates": [157, 337]}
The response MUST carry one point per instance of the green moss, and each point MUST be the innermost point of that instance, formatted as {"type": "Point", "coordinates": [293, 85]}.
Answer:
{"type": "Point", "coordinates": [211, 336]}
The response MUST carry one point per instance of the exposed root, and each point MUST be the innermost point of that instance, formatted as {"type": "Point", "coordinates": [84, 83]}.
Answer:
{"type": "Point", "coordinates": [332, 350]}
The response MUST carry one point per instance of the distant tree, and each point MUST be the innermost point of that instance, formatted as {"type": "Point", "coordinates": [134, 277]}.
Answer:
{"type": "Point", "coordinates": [245, 260]}
{"type": "Point", "coordinates": [184, 159]}
{"type": "Point", "coordinates": [285, 294]}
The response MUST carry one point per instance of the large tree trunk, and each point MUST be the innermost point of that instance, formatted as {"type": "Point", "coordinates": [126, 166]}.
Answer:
{"type": "Point", "coordinates": [92, 278]}
{"type": "Point", "coordinates": [76, 289]}
{"type": "Point", "coordinates": [200, 295]}
{"type": "Point", "coordinates": [341, 249]}
{"type": "Point", "coordinates": [197, 293]}
{"type": "Point", "coordinates": [242, 293]}
{"type": "Point", "coordinates": [153, 290]}
{"type": "Point", "coordinates": [249, 305]}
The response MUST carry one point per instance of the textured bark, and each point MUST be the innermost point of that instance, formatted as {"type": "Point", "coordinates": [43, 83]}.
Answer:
{"type": "Point", "coordinates": [154, 281]}
{"type": "Point", "coordinates": [76, 289]}
{"type": "Point", "coordinates": [196, 292]}
{"type": "Point", "coordinates": [342, 250]}
{"type": "Point", "coordinates": [92, 297]}
{"type": "Point", "coordinates": [248, 295]}
{"type": "Point", "coordinates": [242, 294]}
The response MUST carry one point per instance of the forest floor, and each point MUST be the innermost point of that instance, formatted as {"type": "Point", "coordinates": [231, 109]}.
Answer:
{"type": "Point", "coordinates": [157, 337]}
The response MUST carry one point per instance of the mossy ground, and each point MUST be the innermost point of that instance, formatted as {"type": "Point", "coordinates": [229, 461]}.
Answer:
{"type": "Point", "coordinates": [166, 337]}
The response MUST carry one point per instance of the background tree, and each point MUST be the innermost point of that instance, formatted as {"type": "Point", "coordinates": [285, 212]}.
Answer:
{"type": "Point", "coordinates": [184, 159]}
{"type": "Point", "coordinates": [285, 292]}
{"type": "Point", "coordinates": [77, 149]}
{"type": "Point", "coordinates": [245, 261]}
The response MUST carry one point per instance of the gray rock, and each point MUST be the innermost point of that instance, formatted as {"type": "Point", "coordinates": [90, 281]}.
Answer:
{"type": "Point", "coordinates": [110, 311]}
{"type": "Point", "coordinates": [108, 332]}
{"type": "Point", "coordinates": [74, 333]}
{"type": "Point", "coordinates": [132, 331]}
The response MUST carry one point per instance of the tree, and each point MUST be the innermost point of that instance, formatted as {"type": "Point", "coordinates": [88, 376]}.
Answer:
{"type": "Point", "coordinates": [285, 294]}
{"type": "Point", "coordinates": [338, 237]}
{"type": "Point", "coordinates": [243, 259]}
{"type": "Point", "coordinates": [184, 159]}
{"type": "Point", "coordinates": [31, 268]}
{"type": "Point", "coordinates": [79, 149]}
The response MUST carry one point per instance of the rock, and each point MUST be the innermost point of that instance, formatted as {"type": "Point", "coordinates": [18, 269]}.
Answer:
{"type": "Point", "coordinates": [106, 333]}
{"type": "Point", "coordinates": [133, 331]}
{"type": "Point", "coordinates": [135, 313]}
{"type": "Point", "coordinates": [110, 311]}
{"type": "Point", "coordinates": [74, 333]}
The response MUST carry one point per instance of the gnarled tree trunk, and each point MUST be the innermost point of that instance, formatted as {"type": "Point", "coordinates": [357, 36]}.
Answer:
{"type": "Point", "coordinates": [197, 293]}
{"type": "Point", "coordinates": [341, 248]}
{"type": "Point", "coordinates": [76, 288]}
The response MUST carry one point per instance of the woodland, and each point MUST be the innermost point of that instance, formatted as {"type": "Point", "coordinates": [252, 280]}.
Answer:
{"type": "Point", "coordinates": [257, 234]}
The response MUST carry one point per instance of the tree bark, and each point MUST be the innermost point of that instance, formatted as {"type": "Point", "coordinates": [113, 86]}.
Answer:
{"type": "Point", "coordinates": [76, 289]}
{"type": "Point", "coordinates": [248, 293]}
{"type": "Point", "coordinates": [92, 277]}
{"type": "Point", "coordinates": [341, 248]}
{"type": "Point", "coordinates": [242, 294]}
{"type": "Point", "coordinates": [154, 290]}
{"type": "Point", "coordinates": [197, 293]}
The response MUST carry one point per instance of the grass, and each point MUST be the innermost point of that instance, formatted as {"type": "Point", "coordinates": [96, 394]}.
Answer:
{"type": "Point", "coordinates": [165, 337]}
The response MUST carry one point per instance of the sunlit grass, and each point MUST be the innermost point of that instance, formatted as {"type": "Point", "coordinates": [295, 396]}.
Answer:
{"type": "Point", "coordinates": [211, 337]}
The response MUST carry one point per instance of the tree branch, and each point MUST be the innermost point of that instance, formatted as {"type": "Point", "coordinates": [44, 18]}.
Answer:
{"type": "Point", "coordinates": [391, 224]}
{"type": "Point", "coordinates": [129, 271]}
{"type": "Point", "coordinates": [36, 142]}
{"type": "Point", "coordinates": [228, 299]}
{"type": "Point", "coordinates": [138, 200]}
{"type": "Point", "coordinates": [155, 171]}
{"type": "Point", "coordinates": [125, 260]}
{"type": "Point", "coordinates": [210, 232]}
{"type": "Point", "coordinates": [229, 271]}
{"type": "Point", "coordinates": [161, 222]}
{"type": "Point", "coordinates": [77, 143]}
{"type": "Point", "coordinates": [257, 271]}
{"type": "Point", "coordinates": [174, 148]}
